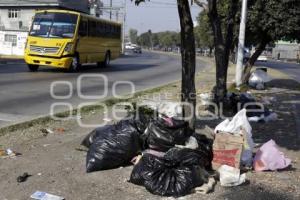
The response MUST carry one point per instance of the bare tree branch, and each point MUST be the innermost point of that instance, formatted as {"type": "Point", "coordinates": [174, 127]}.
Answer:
{"type": "Point", "coordinates": [201, 4]}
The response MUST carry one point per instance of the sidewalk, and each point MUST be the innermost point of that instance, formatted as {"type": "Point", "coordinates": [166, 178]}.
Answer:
{"type": "Point", "coordinates": [4, 59]}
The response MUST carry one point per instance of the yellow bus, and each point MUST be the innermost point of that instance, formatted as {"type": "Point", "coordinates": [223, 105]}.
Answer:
{"type": "Point", "coordinates": [67, 39]}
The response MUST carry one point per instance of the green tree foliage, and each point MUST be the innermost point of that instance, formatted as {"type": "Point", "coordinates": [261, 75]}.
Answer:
{"type": "Point", "coordinates": [144, 40]}
{"type": "Point", "coordinates": [133, 35]}
{"type": "Point", "coordinates": [203, 32]}
{"type": "Point", "coordinates": [268, 22]}
{"type": "Point", "coordinates": [160, 39]}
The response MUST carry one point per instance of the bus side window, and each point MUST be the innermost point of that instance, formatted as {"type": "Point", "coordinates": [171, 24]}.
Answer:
{"type": "Point", "coordinates": [98, 29]}
{"type": "Point", "coordinates": [108, 30]}
{"type": "Point", "coordinates": [119, 32]}
{"type": "Point", "coordinates": [82, 28]}
{"type": "Point", "coordinates": [114, 31]}
{"type": "Point", "coordinates": [92, 28]}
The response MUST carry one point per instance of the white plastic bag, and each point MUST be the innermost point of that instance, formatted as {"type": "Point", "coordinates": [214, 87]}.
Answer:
{"type": "Point", "coordinates": [167, 108]}
{"type": "Point", "coordinates": [234, 126]}
{"type": "Point", "coordinates": [230, 176]}
{"type": "Point", "coordinates": [258, 78]}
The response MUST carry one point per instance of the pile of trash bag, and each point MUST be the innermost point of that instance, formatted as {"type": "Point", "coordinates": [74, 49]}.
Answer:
{"type": "Point", "coordinates": [256, 111]}
{"type": "Point", "coordinates": [171, 162]}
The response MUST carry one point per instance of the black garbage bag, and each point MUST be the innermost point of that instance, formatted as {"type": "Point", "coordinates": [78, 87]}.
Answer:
{"type": "Point", "coordinates": [113, 149]}
{"type": "Point", "coordinates": [240, 101]}
{"type": "Point", "coordinates": [89, 139]}
{"type": "Point", "coordinates": [187, 157]}
{"type": "Point", "coordinates": [175, 174]}
{"type": "Point", "coordinates": [142, 169]}
{"type": "Point", "coordinates": [205, 149]}
{"type": "Point", "coordinates": [123, 125]}
{"type": "Point", "coordinates": [162, 136]}
{"type": "Point", "coordinates": [143, 117]}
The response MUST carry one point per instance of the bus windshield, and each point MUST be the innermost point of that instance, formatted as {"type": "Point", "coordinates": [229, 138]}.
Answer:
{"type": "Point", "coordinates": [54, 25]}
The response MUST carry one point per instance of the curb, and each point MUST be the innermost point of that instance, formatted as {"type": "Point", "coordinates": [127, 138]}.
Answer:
{"type": "Point", "coordinates": [11, 61]}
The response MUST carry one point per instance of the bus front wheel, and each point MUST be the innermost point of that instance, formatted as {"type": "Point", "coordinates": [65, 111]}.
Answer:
{"type": "Point", "coordinates": [75, 65]}
{"type": "Point", "coordinates": [33, 68]}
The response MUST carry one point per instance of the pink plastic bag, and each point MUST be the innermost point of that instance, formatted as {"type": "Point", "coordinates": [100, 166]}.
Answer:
{"type": "Point", "coordinates": [269, 157]}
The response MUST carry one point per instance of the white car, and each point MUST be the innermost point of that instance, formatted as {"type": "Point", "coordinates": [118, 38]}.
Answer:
{"type": "Point", "coordinates": [129, 46]}
{"type": "Point", "coordinates": [262, 58]}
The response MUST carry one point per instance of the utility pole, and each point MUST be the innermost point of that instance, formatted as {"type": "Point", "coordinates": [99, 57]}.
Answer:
{"type": "Point", "coordinates": [124, 27]}
{"type": "Point", "coordinates": [110, 14]}
{"type": "Point", "coordinates": [241, 47]}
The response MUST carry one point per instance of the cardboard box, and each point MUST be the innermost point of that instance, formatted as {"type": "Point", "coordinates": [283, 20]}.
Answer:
{"type": "Point", "coordinates": [227, 150]}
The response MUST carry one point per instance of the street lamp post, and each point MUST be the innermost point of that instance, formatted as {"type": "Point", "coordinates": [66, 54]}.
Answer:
{"type": "Point", "coordinates": [241, 46]}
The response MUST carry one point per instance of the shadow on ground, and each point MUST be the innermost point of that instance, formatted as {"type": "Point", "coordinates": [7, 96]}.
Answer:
{"type": "Point", "coordinates": [253, 191]}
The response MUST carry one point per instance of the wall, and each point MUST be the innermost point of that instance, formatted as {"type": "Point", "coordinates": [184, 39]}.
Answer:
{"type": "Point", "coordinates": [288, 51]}
{"type": "Point", "coordinates": [25, 17]}
{"type": "Point", "coordinates": [7, 48]}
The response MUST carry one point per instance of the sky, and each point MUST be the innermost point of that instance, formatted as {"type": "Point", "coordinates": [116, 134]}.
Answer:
{"type": "Point", "coordinates": [157, 15]}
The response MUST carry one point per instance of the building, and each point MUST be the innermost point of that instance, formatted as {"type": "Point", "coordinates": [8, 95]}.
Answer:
{"type": "Point", "coordinates": [16, 17]}
{"type": "Point", "coordinates": [286, 51]}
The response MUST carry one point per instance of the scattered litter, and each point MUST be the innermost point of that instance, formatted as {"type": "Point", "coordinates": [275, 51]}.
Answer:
{"type": "Point", "coordinates": [46, 131]}
{"type": "Point", "coordinates": [136, 159]}
{"type": "Point", "coordinates": [258, 79]}
{"type": "Point", "coordinates": [39, 174]}
{"type": "Point", "coordinates": [167, 108]}
{"type": "Point", "coordinates": [23, 177]}
{"type": "Point", "coordinates": [271, 117]}
{"type": "Point", "coordinates": [206, 98]}
{"type": "Point", "coordinates": [83, 149]}
{"type": "Point", "coordinates": [207, 187]}
{"type": "Point", "coordinates": [268, 100]}
{"type": "Point", "coordinates": [107, 119]}
{"type": "Point", "coordinates": [170, 109]}
{"type": "Point", "coordinates": [238, 123]}
{"type": "Point", "coordinates": [46, 145]}
{"type": "Point", "coordinates": [191, 143]}
{"type": "Point", "coordinates": [264, 118]}
{"type": "Point", "coordinates": [8, 153]}
{"type": "Point", "coordinates": [230, 176]}
{"type": "Point", "coordinates": [38, 195]}
{"type": "Point", "coordinates": [60, 130]}
{"type": "Point", "coordinates": [269, 157]}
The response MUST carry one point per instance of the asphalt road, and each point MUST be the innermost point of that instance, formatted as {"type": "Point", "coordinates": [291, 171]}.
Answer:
{"type": "Point", "coordinates": [291, 69]}
{"type": "Point", "coordinates": [26, 95]}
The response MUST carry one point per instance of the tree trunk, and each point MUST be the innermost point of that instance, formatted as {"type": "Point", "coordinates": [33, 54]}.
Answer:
{"type": "Point", "coordinates": [188, 57]}
{"type": "Point", "coordinates": [222, 48]}
{"type": "Point", "coordinates": [248, 67]}
{"type": "Point", "coordinates": [210, 51]}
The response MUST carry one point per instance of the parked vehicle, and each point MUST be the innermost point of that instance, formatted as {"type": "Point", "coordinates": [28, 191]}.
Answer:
{"type": "Point", "coordinates": [262, 58]}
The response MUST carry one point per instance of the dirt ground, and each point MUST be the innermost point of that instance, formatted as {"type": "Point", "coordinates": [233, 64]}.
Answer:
{"type": "Point", "coordinates": [57, 164]}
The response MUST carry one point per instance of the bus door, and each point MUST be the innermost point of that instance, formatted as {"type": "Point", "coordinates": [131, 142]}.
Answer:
{"type": "Point", "coordinates": [83, 41]}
